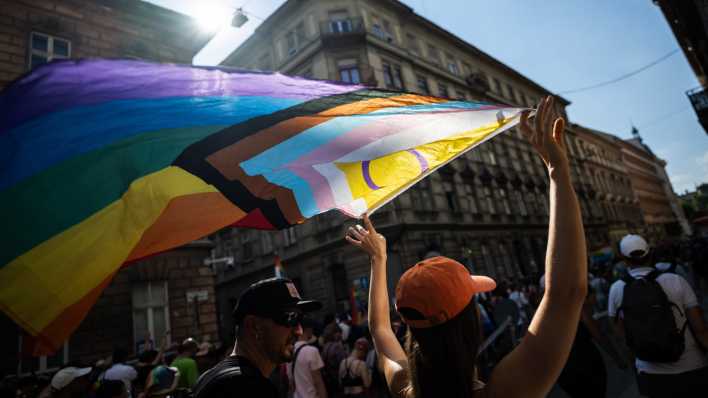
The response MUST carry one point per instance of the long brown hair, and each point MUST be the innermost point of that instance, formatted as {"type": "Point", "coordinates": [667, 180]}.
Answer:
{"type": "Point", "coordinates": [443, 358]}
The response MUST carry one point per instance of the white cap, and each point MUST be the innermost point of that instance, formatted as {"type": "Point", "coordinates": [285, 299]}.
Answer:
{"type": "Point", "coordinates": [632, 243]}
{"type": "Point", "coordinates": [65, 376]}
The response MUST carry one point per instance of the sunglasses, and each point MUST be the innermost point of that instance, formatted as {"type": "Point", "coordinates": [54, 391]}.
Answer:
{"type": "Point", "coordinates": [288, 318]}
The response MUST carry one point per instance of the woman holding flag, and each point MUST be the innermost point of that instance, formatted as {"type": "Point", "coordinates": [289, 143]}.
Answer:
{"type": "Point", "coordinates": [436, 299]}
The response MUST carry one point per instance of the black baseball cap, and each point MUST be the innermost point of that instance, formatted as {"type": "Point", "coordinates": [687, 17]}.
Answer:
{"type": "Point", "coordinates": [270, 298]}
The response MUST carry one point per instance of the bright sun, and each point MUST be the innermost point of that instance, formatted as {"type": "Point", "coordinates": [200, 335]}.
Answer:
{"type": "Point", "coordinates": [212, 18]}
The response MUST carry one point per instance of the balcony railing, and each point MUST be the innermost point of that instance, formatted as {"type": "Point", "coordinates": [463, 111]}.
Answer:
{"type": "Point", "coordinates": [340, 27]}
{"type": "Point", "coordinates": [699, 100]}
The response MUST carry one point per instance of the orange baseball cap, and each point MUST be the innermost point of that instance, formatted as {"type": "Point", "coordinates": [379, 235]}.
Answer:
{"type": "Point", "coordinates": [436, 290]}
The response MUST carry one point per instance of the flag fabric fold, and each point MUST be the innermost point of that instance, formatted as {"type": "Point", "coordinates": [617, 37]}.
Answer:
{"type": "Point", "coordinates": [104, 162]}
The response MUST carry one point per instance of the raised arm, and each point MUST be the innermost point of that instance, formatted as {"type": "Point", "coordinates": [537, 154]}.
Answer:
{"type": "Point", "coordinates": [532, 368]}
{"type": "Point", "coordinates": [392, 358]}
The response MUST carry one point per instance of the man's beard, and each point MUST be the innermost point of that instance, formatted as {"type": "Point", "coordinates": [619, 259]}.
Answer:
{"type": "Point", "coordinates": [288, 351]}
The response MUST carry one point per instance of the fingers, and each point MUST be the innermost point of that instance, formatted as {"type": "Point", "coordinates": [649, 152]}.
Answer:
{"type": "Point", "coordinates": [559, 132]}
{"type": "Point", "coordinates": [548, 119]}
{"type": "Point", "coordinates": [539, 116]}
{"type": "Point", "coordinates": [352, 240]}
{"type": "Point", "coordinates": [367, 223]}
{"type": "Point", "coordinates": [524, 124]}
{"type": "Point", "coordinates": [357, 232]}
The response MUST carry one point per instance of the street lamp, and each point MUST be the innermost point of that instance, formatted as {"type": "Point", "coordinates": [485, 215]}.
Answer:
{"type": "Point", "coordinates": [239, 18]}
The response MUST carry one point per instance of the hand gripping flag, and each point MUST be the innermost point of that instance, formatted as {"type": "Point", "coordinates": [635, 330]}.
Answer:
{"type": "Point", "coordinates": [106, 162]}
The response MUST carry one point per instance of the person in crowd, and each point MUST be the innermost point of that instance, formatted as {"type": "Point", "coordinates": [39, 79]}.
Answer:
{"type": "Point", "coordinates": [600, 287]}
{"type": "Point", "coordinates": [147, 361]}
{"type": "Point", "coordinates": [436, 299]}
{"type": "Point", "coordinates": [344, 323]}
{"type": "Point", "coordinates": [185, 363]}
{"type": "Point", "coordinates": [305, 370]}
{"type": "Point", "coordinates": [665, 261]}
{"type": "Point", "coordinates": [119, 370]}
{"type": "Point", "coordinates": [354, 375]}
{"type": "Point", "coordinates": [267, 316]}
{"type": "Point", "coordinates": [162, 382]}
{"type": "Point", "coordinates": [333, 353]}
{"type": "Point", "coordinates": [69, 382]}
{"type": "Point", "coordinates": [112, 389]}
{"type": "Point", "coordinates": [662, 323]}
{"type": "Point", "coordinates": [504, 308]}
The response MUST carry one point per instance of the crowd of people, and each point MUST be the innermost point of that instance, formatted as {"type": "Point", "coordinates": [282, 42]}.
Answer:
{"type": "Point", "coordinates": [450, 333]}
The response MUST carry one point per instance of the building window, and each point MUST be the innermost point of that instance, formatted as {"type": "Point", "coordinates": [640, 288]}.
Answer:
{"type": "Point", "coordinates": [339, 22]}
{"type": "Point", "coordinates": [491, 158]}
{"type": "Point", "coordinates": [412, 42]}
{"type": "Point", "coordinates": [291, 43]}
{"type": "Point", "coordinates": [489, 197]}
{"type": "Point", "coordinates": [151, 315]}
{"type": "Point", "coordinates": [504, 201]}
{"type": "Point", "coordinates": [460, 95]}
{"type": "Point", "coordinates": [392, 76]}
{"type": "Point", "coordinates": [496, 85]}
{"type": "Point", "coordinates": [423, 84]}
{"type": "Point", "coordinates": [451, 195]}
{"type": "Point", "coordinates": [349, 74]}
{"type": "Point", "coordinates": [509, 91]}
{"type": "Point", "coordinates": [46, 48]}
{"type": "Point", "coordinates": [421, 195]}
{"type": "Point", "coordinates": [452, 65]}
{"type": "Point", "coordinates": [442, 90]}
{"type": "Point", "coordinates": [382, 29]}
{"type": "Point", "coordinates": [295, 39]}
{"type": "Point", "coordinates": [471, 200]}
{"type": "Point", "coordinates": [433, 54]}
{"type": "Point", "coordinates": [289, 236]}
{"type": "Point", "coordinates": [466, 68]}
{"type": "Point", "coordinates": [520, 203]}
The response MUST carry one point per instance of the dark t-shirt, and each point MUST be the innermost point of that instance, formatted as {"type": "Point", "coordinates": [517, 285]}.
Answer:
{"type": "Point", "coordinates": [242, 380]}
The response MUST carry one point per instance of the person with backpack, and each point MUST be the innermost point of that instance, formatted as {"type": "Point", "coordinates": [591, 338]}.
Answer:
{"type": "Point", "coordinates": [305, 370]}
{"type": "Point", "coordinates": [663, 326]}
{"type": "Point", "coordinates": [268, 316]}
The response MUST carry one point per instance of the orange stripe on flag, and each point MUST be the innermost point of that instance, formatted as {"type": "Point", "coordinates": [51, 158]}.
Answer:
{"type": "Point", "coordinates": [186, 218]}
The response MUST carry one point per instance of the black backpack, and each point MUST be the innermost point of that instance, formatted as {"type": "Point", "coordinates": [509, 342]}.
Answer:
{"type": "Point", "coordinates": [649, 322]}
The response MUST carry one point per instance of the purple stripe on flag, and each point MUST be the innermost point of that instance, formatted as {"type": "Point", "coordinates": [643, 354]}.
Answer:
{"type": "Point", "coordinates": [423, 162]}
{"type": "Point", "coordinates": [367, 175]}
{"type": "Point", "coordinates": [69, 83]}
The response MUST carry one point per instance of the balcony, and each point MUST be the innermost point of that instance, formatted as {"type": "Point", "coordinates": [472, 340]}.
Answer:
{"type": "Point", "coordinates": [477, 82]}
{"type": "Point", "coordinates": [342, 32]}
{"type": "Point", "coordinates": [699, 100]}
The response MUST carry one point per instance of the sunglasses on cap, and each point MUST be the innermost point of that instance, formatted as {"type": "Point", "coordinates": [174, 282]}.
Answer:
{"type": "Point", "coordinates": [287, 318]}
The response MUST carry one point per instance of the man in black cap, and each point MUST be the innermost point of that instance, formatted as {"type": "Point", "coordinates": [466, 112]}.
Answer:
{"type": "Point", "coordinates": [268, 316]}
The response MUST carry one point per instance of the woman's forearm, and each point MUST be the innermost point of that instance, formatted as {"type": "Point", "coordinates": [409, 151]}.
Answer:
{"type": "Point", "coordinates": [566, 264]}
{"type": "Point", "coordinates": [379, 318]}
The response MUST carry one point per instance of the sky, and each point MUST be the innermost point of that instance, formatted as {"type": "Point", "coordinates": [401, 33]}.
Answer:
{"type": "Point", "coordinates": [561, 45]}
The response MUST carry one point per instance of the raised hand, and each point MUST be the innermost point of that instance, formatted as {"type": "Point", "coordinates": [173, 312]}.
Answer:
{"type": "Point", "coordinates": [547, 134]}
{"type": "Point", "coordinates": [367, 239]}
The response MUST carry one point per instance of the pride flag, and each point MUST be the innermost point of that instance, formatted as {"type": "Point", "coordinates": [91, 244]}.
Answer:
{"type": "Point", "coordinates": [106, 162]}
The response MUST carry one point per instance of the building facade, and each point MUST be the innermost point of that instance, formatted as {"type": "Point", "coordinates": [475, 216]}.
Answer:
{"type": "Point", "coordinates": [688, 20]}
{"type": "Point", "coordinates": [488, 209]}
{"type": "Point", "coordinates": [661, 209]}
{"type": "Point", "coordinates": [172, 291]}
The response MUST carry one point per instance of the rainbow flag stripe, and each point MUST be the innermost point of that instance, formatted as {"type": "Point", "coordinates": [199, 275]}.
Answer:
{"type": "Point", "coordinates": [103, 162]}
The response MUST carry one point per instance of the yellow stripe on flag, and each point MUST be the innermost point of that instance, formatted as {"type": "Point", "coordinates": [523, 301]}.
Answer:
{"type": "Point", "coordinates": [62, 274]}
